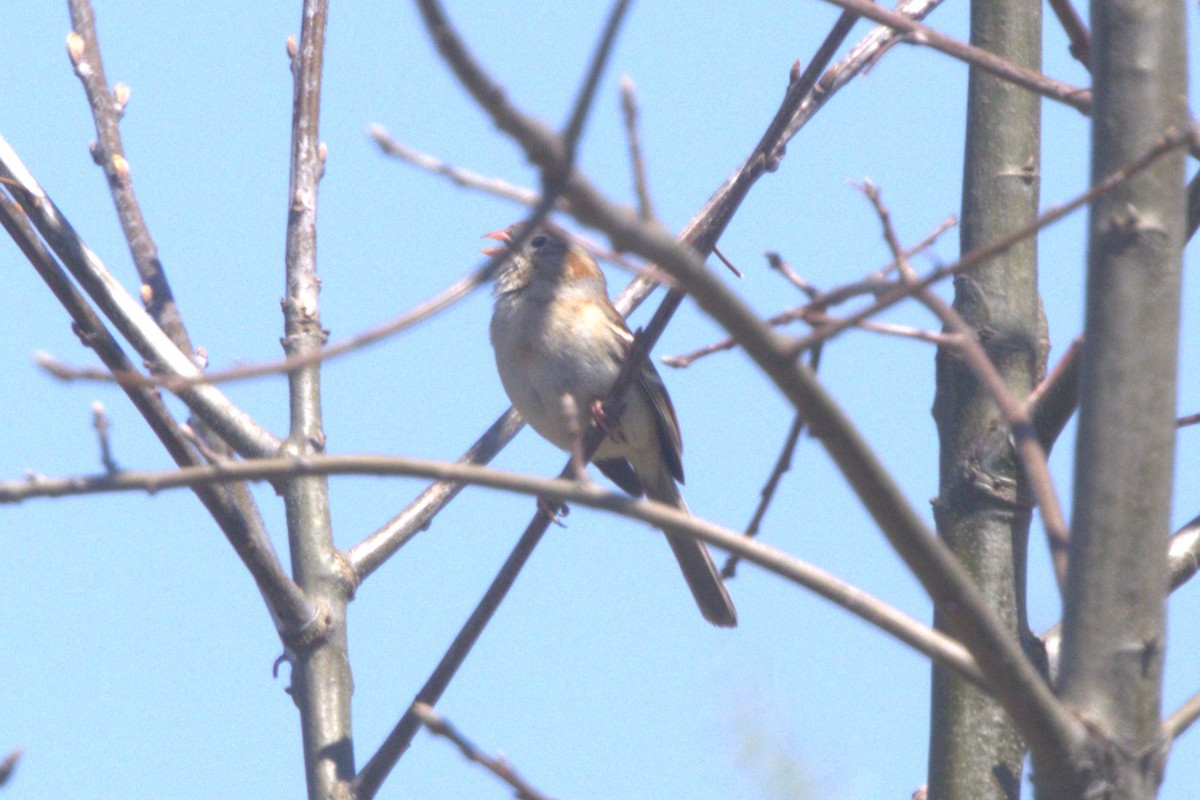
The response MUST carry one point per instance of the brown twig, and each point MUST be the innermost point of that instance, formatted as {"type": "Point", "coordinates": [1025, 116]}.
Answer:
{"type": "Point", "coordinates": [813, 313]}
{"type": "Point", "coordinates": [457, 175]}
{"type": "Point", "coordinates": [231, 423]}
{"type": "Point", "coordinates": [101, 424]}
{"type": "Point", "coordinates": [9, 765]}
{"type": "Point", "coordinates": [858, 60]}
{"type": "Point", "coordinates": [107, 107]}
{"type": "Point", "coordinates": [1053, 401]}
{"type": "Point", "coordinates": [1170, 140]}
{"type": "Point", "coordinates": [629, 110]}
{"type": "Point", "coordinates": [438, 725]}
{"type": "Point", "coordinates": [916, 33]}
{"type": "Point", "coordinates": [782, 465]}
{"type": "Point", "coordinates": [728, 264]}
{"type": "Point", "coordinates": [556, 175]}
{"type": "Point", "coordinates": [1033, 457]}
{"type": "Point", "coordinates": [296, 617]}
{"type": "Point", "coordinates": [1077, 32]}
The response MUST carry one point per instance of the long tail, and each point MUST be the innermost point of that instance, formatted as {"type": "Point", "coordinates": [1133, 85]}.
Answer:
{"type": "Point", "coordinates": [695, 561]}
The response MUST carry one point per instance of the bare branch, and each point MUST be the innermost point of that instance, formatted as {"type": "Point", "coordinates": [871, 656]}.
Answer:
{"type": "Point", "coordinates": [860, 58]}
{"type": "Point", "coordinates": [813, 313]}
{"type": "Point", "coordinates": [101, 424]}
{"type": "Point", "coordinates": [1077, 32]}
{"type": "Point", "coordinates": [557, 490]}
{"type": "Point", "coordinates": [1182, 718]}
{"type": "Point", "coordinates": [369, 554]}
{"type": "Point", "coordinates": [629, 109]}
{"type": "Point", "coordinates": [556, 179]}
{"type": "Point", "coordinates": [321, 682]}
{"type": "Point", "coordinates": [83, 47]}
{"type": "Point", "coordinates": [916, 33]}
{"type": "Point", "coordinates": [457, 175]}
{"type": "Point", "coordinates": [1018, 684]}
{"type": "Point", "coordinates": [1033, 457]}
{"type": "Point", "coordinates": [782, 465]}
{"type": "Point", "coordinates": [438, 725]}
{"type": "Point", "coordinates": [229, 421]}
{"type": "Point", "coordinates": [1171, 140]}
{"type": "Point", "coordinates": [294, 616]}
{"type": "Point", "coordinates": [1055, 399]}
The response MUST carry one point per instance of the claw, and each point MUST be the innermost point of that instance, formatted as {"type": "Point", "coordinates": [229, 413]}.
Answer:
{"type": "Point", "coordinates": [599, 418]}
{"type": "Point", "coordinates": [553, 510]}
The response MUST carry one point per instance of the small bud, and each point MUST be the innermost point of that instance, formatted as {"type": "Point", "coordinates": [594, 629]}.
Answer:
{"type": "Point", "coordinates": [74, 47]}
{"type": "Point", "coordinates": [147, 294]}
{"type": "Point", "coordinates": [120, 167]}
{"type": "Point", "coordinates": [322, 152]}
{"type": "Point", "coordinates": [120, 95]}
{"type": "Point", "coordinates": [292, 50]}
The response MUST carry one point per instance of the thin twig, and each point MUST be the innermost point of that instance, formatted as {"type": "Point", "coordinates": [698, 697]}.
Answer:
{"type": "Point", "coordinates": [233, 424]}
{"type": "Point", "coordinates": [728, 264]}
{"type": "Point", "coordinates": [295, 616]}
{"type": "Point", "coordinates": [1182, 718]}
{"type": "Point", "coordinates": [557, 170]}
{"type": "Point", "coordinates": [1033, 457]}
{"type": "Point", "coordinates": [813, 313]}
{"type": "Point", "coordinates": [83, 47]}
{"type": "Point", "coordinates": [1170, 140]}
{"type": "Point", "coordinates": [782, 465]}
{"type": "Point", "coordinates": [1077, 32]}
{"type": "Point", "coordinates": [641, 187]}
{"type": "Point", "coordinates": [916, 33]}
{"type": "Point", "coordinates": [857, 61]}
{"type": "Point", "coordinates": [1053, 401]}
{"type": "Point", "coordinates": [101, 424]}
{"type": "Point", "coordinates": [438, 725]}
{"type": "Point", "coordinates": [457, 175]}
{"type": "Point", "coordinates": [9, 765]}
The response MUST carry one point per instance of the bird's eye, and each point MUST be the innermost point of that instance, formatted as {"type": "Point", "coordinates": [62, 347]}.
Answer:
{"type": "Point", "coordinates": [537, 241]}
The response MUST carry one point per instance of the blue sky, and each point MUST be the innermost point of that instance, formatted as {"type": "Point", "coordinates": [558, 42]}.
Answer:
{"type": "Point", "coordinates": [138, 654]}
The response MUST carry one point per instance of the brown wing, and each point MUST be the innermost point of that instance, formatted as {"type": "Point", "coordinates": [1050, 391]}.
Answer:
{"type": "Point", "coordinates": [620, 472]}
{"type": "Point", "coordinates": [655, 392]}
{"type": "Point", "coordinates": [665, 420]}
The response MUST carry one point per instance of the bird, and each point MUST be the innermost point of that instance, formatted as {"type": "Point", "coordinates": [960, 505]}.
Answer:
{"type": "Point", "coordinates": [556, 334]}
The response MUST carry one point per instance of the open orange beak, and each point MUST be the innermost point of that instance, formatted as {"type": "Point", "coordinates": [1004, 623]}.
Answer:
{"type": "Point", "coordinates": [499, 236]}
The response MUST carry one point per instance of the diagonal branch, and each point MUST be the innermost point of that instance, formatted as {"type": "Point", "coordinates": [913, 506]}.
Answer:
{"type": "Point", "coordinates": [1171, 140]}
{"type": "Point", "coordinates": [368, 781]}
{"type": "Point", "coordinates": [131, 320]}
{"type": "Point", "coordinates": [1018, 684]}
{"type": "Point", "coordinates": [84, 49]}
{"type": "Point", "coordinates": [916, 33]}
{"type": "Point", "coordinates": [295, 617]}
{"type": "Point", "coordinates": [438, 725]}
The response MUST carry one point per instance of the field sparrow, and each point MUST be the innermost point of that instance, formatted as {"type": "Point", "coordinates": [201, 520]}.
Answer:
{"type": "Point", "coordinates": [556, 333]}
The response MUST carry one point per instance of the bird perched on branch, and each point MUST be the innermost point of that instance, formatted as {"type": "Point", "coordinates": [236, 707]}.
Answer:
{"type": "Point", "coordinates": [556, 335]}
